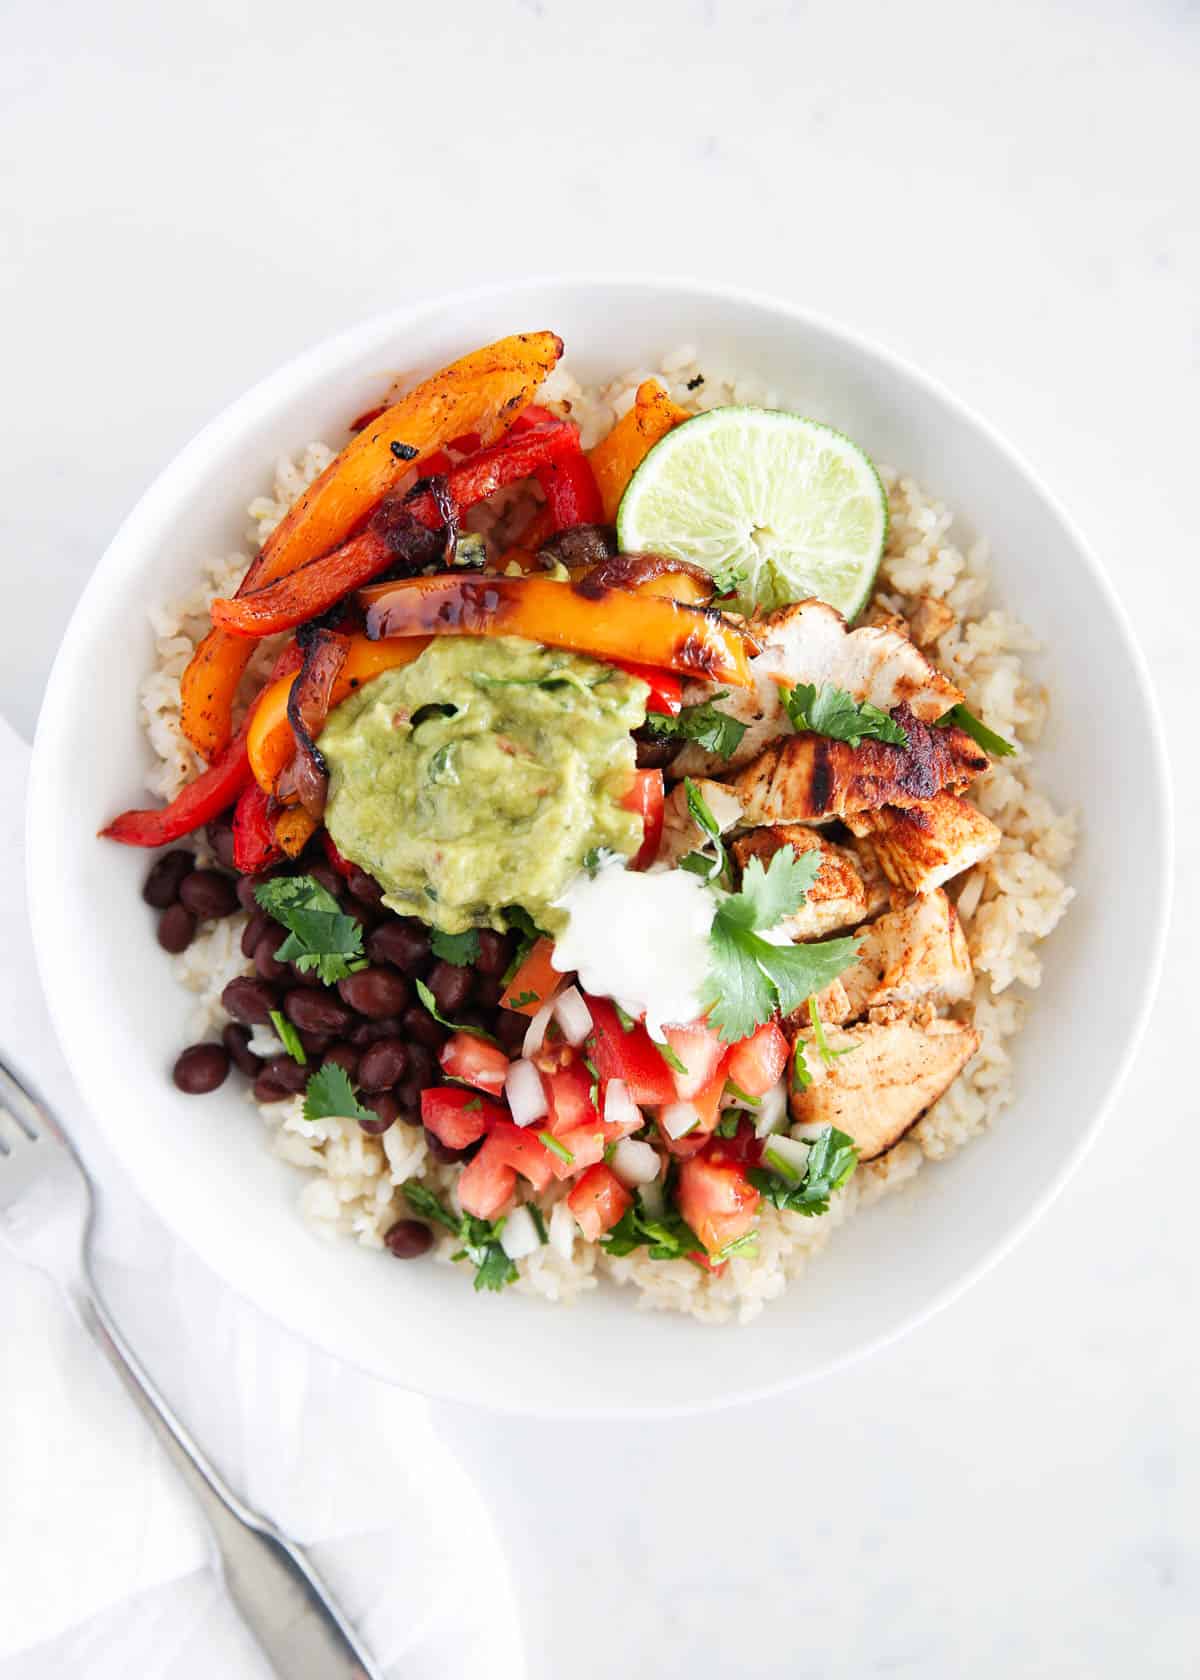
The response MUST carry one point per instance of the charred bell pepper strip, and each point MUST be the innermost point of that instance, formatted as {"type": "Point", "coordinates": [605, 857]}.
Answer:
{"type": "Point", "coordinates": [618, 456]}
{"type": "Point", "coordinates": [518, 456]}
{"type": "Point", "coordinates": [666, 690]}
{"type": "Point", "coordinates": [271, 742]}
{"type": "Point", "coordinates": [294, 828]}
{"type": "Point", "coordinates": [213, 791]}
{"type": "Point", "coordinates": [254, 843]}
{"type": "Point", "coordinates": [477, 394]}
{"type": "Point", "coordinates": [571, 494]}
{"type": "Point", "coordinates": [609, 624]}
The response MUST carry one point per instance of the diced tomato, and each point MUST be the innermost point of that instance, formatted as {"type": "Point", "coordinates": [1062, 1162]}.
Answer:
{"type": "Point", "coordinates": [534, 981]}
{"type": "Point", "coordinates": [598, 1201]}
{"type": "Point", "coordinates": [520, 1148]}
{"type": "Point", "coordinates": [486, 1184]}
{"type": "Point", "coordinates": [343, 865]}
{"type": "Point", "coordinates": [683, 1148]}
{"type": "Point", "coordinates": [758, 1062]}
{"type": "Point", "coordinates": [585, 1145]}
{"type": "Point", "coordinates": [457, 1117]}
{"type": "Point", "coordinates": [716, 1198]}
{"type": "Point", "coordinates": [646, 797]}
{"type": "Point", "coordinates": [569, 1093]}
{"type": "Point", "coordinates": [484, 1065]}
{"type": "Point", "coordinates": [629, 1055]}
{"type": "Point", "coordinates": [701, 1051]}
{"type": "Point", "coordinates": [744, 1146]}
{"type": "Point", "coordinates": [666, 689]}
{"type": "Point", "coordinates": [716, 1267]}
{"type": "Point", "coordinates": [706, 1106]}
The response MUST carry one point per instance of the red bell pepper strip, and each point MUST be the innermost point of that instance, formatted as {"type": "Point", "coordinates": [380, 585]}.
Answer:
{"type": "Point", "coordinates": [343, 865]}
{"type": "Point", "coordinates": [571, 493]}
{"type": "Point", "coordinates": [666, 690]}
{"type": "Point", "coordinates": [518, 455]}
{"type": "Point", "coordinates": [254, 843]}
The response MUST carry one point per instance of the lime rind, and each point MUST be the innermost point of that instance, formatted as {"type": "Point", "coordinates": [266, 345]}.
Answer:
{"type": "Point", "coordinates": [796, 506]}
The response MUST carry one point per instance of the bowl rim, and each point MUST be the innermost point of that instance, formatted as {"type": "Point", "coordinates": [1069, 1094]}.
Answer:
{"type": "Point", "coordinates": [298, 373]}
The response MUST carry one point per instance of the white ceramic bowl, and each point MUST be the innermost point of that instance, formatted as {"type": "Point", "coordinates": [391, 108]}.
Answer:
{"type": "Point", "coordinates": [203, 1164]}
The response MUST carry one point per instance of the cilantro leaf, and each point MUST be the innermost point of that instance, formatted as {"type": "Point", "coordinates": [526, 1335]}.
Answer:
{"type": "Point", "coordinates": [321, 938]}
{"type": "Point", "coordinates": [728, 1124]}
{"type": "Point", "coordinates": [798, 970]}
{"type": "Point", "coordinates": [550, 1142]}
{"type": "Point", "coordinates": [832, 1158]}
{"type": "Point", "coordinates": [695, 862]}
{"type": "Point", "coordinates": [288, 1037]}
{"type": "Point", "coordinates": [520, 922]}
{"type": "Point", "coordinates": [481, 1246]}
{"type": "Point", "coordinates": [801, 1078]}
{"type": "Point", "coordinates": [330, 1095]}
{"type": "Point", "coordinates": [728, 578]}
{"type": "Point", "coordinates": [539, 1224]}
{"type": "Point", "coordinates": [597, 858]}
{"type": "Point", "coordinates": [461, 949]}
{"type": "Point", "coordinates": [430, 1002]}
{"type": "Point", "coordinates": [978, 731]}
{"type": "Point", "coordinates": [736, 992]}
{"type": "Point", "coordinates": [831, 711]}
{"type": "Point", "coordinates": [716, 731]}
{"type": "Point", "coordinates": [668, 1055]}
{"type": "Point", "coordinates": [668, 1238]}
{"type": "Point", "coordinates": [827, 1055]}
{"type": "Point", "coordinates": [425, 1203]}
{"type": "Point", "coordinates": [769, 895]}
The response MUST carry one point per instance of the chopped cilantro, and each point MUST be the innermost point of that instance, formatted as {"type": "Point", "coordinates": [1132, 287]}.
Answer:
{"type": "Point", "coordinates": [535, 1213]}
{"type": "Point", "coordinates": [978, 731]}
{"type": "Point", "coordinates": [474, 1104]}
{"type": "Point", "coordinates": [289, 1037]}
{"type": "Point", "coordinates": [827, 1055]}
{"type": "Point", "coordinates": [480, 1238]}
{"type": "Point", "coordinates": [831, 1160]}
{"type": "Point", "coordinates": [594, 1088]}
{"type": "Point", "coordinates": [461, 949]}
{"type": "Point", "coordinates": [521, 999]}
{"type": "Point", "coordinates": [425, 1203]}
{"type": "Point", "coordinates": [627, 1021]}
{"type": "Point", "coordinates": [320, 938]}
{"type": "Point", "coordinates": [716, 867]}
{"type": "Point", "coordinates": [430, 1002]}
{"type": "Point", "coordinates": [830, 711]}
{"type": "Point", "coordinates": [729, 579]}
{"type": "Point", "coordinates": [597, 858]}
{"type": "Point", "coordinates": [728, 1124]}
{"type": "Point", "coordinates": [520, 922]}
{"type": "Point", "coordinates": [668, 1055]}
{"type": "Point", "coordinates": [668, 1238]}
{"type": "Point", "coordinates": [742, 1096]}
{"type": "Point", "coordinates": [329, 1095]}
{"type": "Point", "coordinates": [556, 1148]}
{"type": "Point", "coordinates": [801, 1078]}
{"type": "Point", "coordinates": [716, 731]}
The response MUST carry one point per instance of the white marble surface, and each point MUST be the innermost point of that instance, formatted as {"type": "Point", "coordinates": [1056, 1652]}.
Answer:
{"type": "Point", "coordinates": [1005, 194]}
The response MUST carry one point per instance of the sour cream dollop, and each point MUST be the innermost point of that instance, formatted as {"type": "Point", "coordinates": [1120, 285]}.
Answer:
{"type": "Point", "coordinates": [641, 939]}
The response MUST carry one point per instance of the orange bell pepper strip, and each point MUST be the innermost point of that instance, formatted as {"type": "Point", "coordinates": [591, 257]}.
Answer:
{"type": "Point", "coordinates": [294, 828]}
{"type": "Point", "coordinates": [479, 393]}
{"type": "Point", "coordinates": [618, 456]}
{"type": "Point", "coordinates": [533, 981]}
{"type": "Point", "coordinates": [271, 743]}
{"type": "Point", "coordinates": [605, 622]}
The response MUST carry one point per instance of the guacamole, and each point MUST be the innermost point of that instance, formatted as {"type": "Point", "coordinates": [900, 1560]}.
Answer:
{"type": "Point", "coordinates": [481, 775]}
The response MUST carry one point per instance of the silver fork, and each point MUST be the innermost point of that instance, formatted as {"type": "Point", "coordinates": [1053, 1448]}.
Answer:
{"type": "Point", "coordinates": [46, 1216]}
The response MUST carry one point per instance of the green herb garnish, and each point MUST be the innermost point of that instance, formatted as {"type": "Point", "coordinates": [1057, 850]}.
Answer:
{"type": "Point", "coordinates": [627, 1021]}
{"type": "Point", "coordinates": [668, 1055]}
{"type": "Point", "coordinates": [321, 939]}
{"type": "Point", "coordinates": [330, 1095]}
{"type": "Point", "coordinates": [827, 1055]}
{"type": "Point", "coordinates": [978, 731]}
{"type": "Point", "coordinates": [728, 1124]}
{"type": "Point", "coordinates": [556, 1148]}
{"type": "Point", "coordinates": [832, 1157]}
{"type": "Point", "coordinates": [668, 1238]}
{"type": "Point", "coordinates": [830, 711]}
{"type": "Point", "coordinates": [520, 922]}
{"type": "Point", "coordinates": [801, 1078]}
{"type": "Point", "coordinates": [597, 858]}
{"type": "Point", "coordinates": [716, 731]}
{"type": "Point", "coordinates": [461, 949]}
{"type": "Point", "coordinates": [535, 1213]}
{"type": "Point", "coordinates": [289, 1037]}
{"type": "Point", "coordinates": [480, 1238]}
{"type": "Point", "coordinates": [713, 868]}
{"type": "Point", "coordinates": [430, 1002]}
{"type": "Point", "coordinates": [425, 1203]}
{"type": "Point", "coordinates": [742, 1096]}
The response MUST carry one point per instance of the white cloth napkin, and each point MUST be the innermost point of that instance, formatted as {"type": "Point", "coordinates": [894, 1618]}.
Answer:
{"type": "Point", "coordinates": [102, 1559]}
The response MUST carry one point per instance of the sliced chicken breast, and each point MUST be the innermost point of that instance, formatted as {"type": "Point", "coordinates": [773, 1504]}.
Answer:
{"type": "Point", "coordinates": [916, 954]}
{"type": "Point", "coordinates": [810, 778]}
{"type": "Point", "coordinates": [928, 842]}
{"type": "Point", "coordinates": [843, 894]}
{"type": "Point", "coordinates": [891, 1076]}
{"type": "Point", "coordinates": [809, 642]}
{"type": "Point", "coordinates": [681, 833]}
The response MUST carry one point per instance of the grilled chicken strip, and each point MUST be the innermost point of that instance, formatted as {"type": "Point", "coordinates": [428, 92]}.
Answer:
{"type": "Point", "coordinates": [810, 778]}
{"type": "Point", "coordinates": [928, 842]}
{"type": "Point", "coordinates": [847, 888]}
{"type": "Point", "coordinates": [893, 1075]}
{"type": "Point", "coordinates": [681, 832]}
{"type": "Point", "coordinates": [916, 954]}
{"type": "Point", "coordinates": [809, 642]}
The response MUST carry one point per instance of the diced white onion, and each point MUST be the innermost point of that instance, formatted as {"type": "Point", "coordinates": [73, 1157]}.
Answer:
{"type": "Point", "coordinates": [634, 1162]}
{"type": "Point", "coordinates": [536, 1034]}
{"type": "Point", "coordinates": [619, 1107]}
{"type": "Point", "coordinates": [562, 1230]}
{"type": "Point", "coordinates": [573, 1015]}
{"type": "Point", "coordinates": [519, 1236]}
{"type": "Point", "coordinates": [772, 1112]}
{"type": "Point", "coordinates": [678, 1118]}
{"type": "Point", "coordinates": [810, 1130]}
{"type": "Point", "coordinates": [525, 1092]}
{"type": "Point", "coordinates": [653, 1201]}
{"type": "Point", "coordinates": [788, 1156]}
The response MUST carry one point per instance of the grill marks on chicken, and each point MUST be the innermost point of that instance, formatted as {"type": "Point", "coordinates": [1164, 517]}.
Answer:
{"type": "Point", "coordinates": [923, 845]}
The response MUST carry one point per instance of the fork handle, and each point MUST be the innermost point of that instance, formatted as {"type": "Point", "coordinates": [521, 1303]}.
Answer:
{"type": "Point", "coordinates": [282, 1598]}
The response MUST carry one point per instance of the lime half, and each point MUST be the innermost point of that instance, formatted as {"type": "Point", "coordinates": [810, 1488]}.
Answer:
{"type": "Point", "coordinates": [777, 507]}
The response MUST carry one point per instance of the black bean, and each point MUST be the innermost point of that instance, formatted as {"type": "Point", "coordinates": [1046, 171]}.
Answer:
{"type": "Point", "coordinates": [162, 883]}
{"type": "Point", "coordinates": [316, 1011]}
{"type": "Point", "coordinates": [176, 927]}
{"type": "Point", "coordinates": [495, 953]}
{"type": "Point", "coordinates": [315, 1044]}
{"type": "Point", "coordinates": [489, 989]}
{"type": "Point", "coordinates": [408, 1238]}
{"type": "Point", "coordinates": [328, 878]}
{"type": "Point", "coordinates": [404, 944]}
{"type": "Point", "coordinates": [510, 1028]}
{"type": "Point", "coordinates": [344, 1056]}
{"type": "Point", "coordinates": [386, 1111]}
{"type": "Point", "coordinates": [208, 895]}
{"type": "Point", "coordinates": [264, 956]}
{"type": "Point", "coordinates": [442, 1151]}
{"type": "Point", "coordinates": [421, 1028]}
{"type": "Point", "coordinates": [268, 1089]}
{"type": "Point", "coordinates": [250, 1000]}
{"type": "Point", "coordinates": [451, 987]}
{"type": "Point", "coordinates": [375, 992]}
{"type": "Point", "coordinates": [408, 1104]}
{"type": "Point", "coordinates": [290, 1076]}
{"type": "Point", "coordinates": [363, 1033]}
{"type": "Point", "coordinates": [247, 883]}
{"type": "Point", "coordinates": [365, 888]}
{"type": "Point", "coordinates": [383, 1064]}
{"type": "Point", "coordinates": [236, 1040]}
{"type": "Point", "coordinates": [200, 1068]}
{"type": "Point", "coordinates": [254, 929]}
{"type": "Point", "coordinates": [422, 1068]}
{"type": "Point", "coordinates": [220, 838]}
